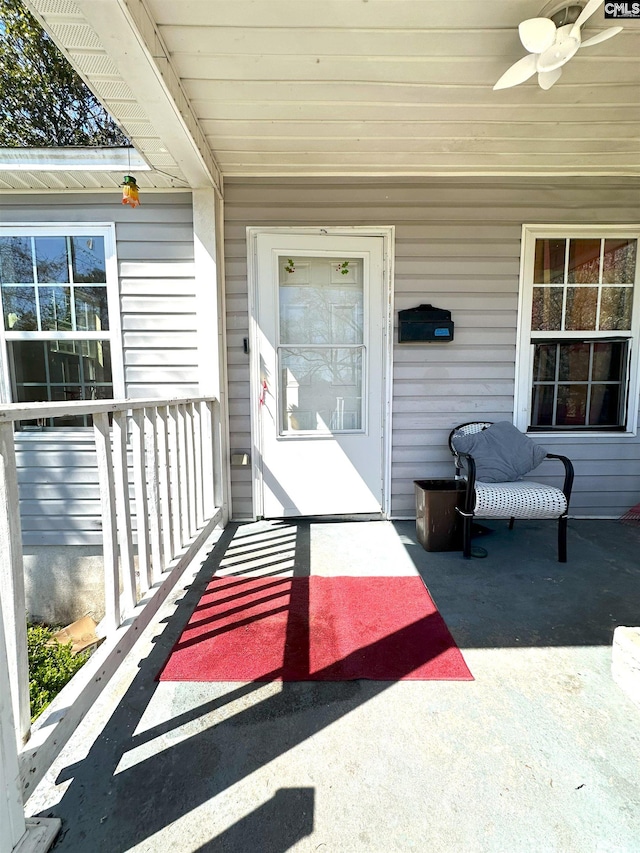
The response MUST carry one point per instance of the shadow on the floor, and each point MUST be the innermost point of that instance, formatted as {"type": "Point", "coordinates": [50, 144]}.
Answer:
{"type": "Point", "coordinates": [520, 595]}
{"type": "Point", "coordinates": [273, 827]}
{"type": "Point", "coordinates": [132, 785]}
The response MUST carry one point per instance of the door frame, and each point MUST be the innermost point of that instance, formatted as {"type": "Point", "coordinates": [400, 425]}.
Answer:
{"type": "Point", "coordinates": [387, 233]}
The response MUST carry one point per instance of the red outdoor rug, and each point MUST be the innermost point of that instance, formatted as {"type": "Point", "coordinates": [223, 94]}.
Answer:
{"type": "Point", "coordinates": [315, 629]}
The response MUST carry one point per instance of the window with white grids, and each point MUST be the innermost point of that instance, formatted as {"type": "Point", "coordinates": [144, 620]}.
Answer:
{"type": "Point", "coordinates": [577, 354]}
{"type": "Point", "coordinates": [60, 317]}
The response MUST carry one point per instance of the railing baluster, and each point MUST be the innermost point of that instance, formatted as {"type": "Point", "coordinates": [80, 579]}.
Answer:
{"type": "Point", "coordinates": [166, 510]}
{"type": "Point", "coordinates": [191, 467]}
{"type": "Point", "coordinates": [125, 539]}
{"type": "Point", "coordinates": [183, 465]}
{"type": "Point", "coordinates": [216, 429]}
{"type": "Point", "coordinates": [197, 438]}
{"type": "Point", "coordinates": [140, 487]}
{"type": "Point", "coordinates": [12, 595]}
{"type": "Point", "coordinates": [206, 424]}
{"type": "Point", "coordinates": [153, 492]}
{"type": "Point", "coordinates": [174, 479]}
{"type": "Point", "coordinates": [109, 520]}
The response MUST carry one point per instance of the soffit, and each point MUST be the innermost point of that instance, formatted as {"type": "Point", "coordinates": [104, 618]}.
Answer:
{"type": "Point", "coordinates": [371, 87]}
{"type": "Point", "coordinates": [130, 84]}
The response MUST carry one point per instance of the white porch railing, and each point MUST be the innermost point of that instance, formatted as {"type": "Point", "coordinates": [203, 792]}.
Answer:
{"type": "Point", "coordinates": [177, 465]}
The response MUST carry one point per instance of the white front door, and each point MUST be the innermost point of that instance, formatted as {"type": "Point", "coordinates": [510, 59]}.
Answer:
{"type": "Point", "coordinates": [319, 374]}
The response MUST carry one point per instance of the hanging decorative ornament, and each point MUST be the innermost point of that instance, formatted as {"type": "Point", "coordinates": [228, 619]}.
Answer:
{"type": "Point", "coordinates": [130, 191]}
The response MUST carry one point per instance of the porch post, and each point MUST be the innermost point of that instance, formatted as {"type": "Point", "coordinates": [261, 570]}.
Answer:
{"type": "Point", "coordinates": [12, 594]}
{"type": "Point", "coordinates": [209, 275]}
{"type": "Point", "coordinates": [12, 823]}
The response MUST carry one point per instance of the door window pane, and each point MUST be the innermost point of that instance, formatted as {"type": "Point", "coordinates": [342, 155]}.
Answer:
{"type": "Point", "coordinates": [321, 301]}
{"type": "Point", "coordinates": [320, 389]}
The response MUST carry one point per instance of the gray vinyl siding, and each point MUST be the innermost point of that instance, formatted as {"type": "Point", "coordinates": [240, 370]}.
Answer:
{"type": "Point", "coordinates": [154, 244]}
{"type": "Point", "coordinates": [457, 247]}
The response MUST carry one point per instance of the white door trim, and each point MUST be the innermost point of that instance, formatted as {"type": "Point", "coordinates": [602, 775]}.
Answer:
{"type": "Point", "coordinates": [388, 236]}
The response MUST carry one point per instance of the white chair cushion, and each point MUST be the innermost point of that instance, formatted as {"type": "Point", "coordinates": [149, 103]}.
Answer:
{"type": "Point", "coordinates": [522, 499]}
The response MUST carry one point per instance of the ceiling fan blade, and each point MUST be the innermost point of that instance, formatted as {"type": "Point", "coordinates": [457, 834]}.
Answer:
{"type": "Point", "coordinates": [546, 79]}
{"type": "Point", "coordinates": [518, 72]}
{"type": "Point", "coordinates": [603, 35]}
{"type": "Point", "coordinates": [586, 13]}
{"type": "Point", "coordinates": [537, 34]}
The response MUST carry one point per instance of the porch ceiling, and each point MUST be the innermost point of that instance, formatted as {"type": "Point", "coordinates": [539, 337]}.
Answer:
{"type": "Point", "coordinates": [366, 87]}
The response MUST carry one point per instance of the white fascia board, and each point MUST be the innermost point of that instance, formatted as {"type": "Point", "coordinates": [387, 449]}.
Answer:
{"type": "Point", "coordinates": [132, 42]}
{"type": "Point", "coordinates": [72, 160]}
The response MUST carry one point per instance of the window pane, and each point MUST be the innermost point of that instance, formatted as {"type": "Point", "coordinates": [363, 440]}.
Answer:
{"type": "Point", "coordinates": [584, 261]}
{"type": "Point", "coordinates": [608, 361]}
{"type": "Point", "coordinates": [582, 306]}
{"type": "Point", "coordinates": [28, 359]}
{"type": "Point", "coordinates": [574, 362]}
{"type": "Point", "coordinates": [572, 405]}
{"type": "Point", "coordinates": [55, 309]}
{"type": "Point", "coordinates": [542, 405]}
{"type": "Point", "coordinates": [61, 370]}
{"type": "Point", "coordinates": [87, 258]}
{"type": "Point", "coordinates": [91, 308]}
{"type": "Point", "coordinates": [619, 265]}
{"type": "Point", "coordinates": [549, 261]}
{"type": "Point", "coordinates": [51, 259]}
{"type": "Point", "coordinates": [605, 405]}
{"type": "Point", "coordinates": [321, 389]}
{"type": "Point", "coordinates": [64, 361]}
{"type": "Point", "coordinates": [592, 389]}
{"type": "Point", "coordinates": [96, 361]}
{"type": "Point", "coordinates": [16, 263]}
{"type": "Point", "coordinates": [19, 309]}
{"type": "Point", "coordinates": [546, 312]}
{"type": "Point", "coordinates": [31, 394]}
{"type": "Point", "coordinates": [544, 363]}
{"type": "Point", "coordinates": [615, 308]}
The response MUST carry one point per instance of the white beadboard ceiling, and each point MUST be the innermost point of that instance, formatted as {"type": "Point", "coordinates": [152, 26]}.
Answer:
{"type": "Point", "coordinates": [355, 87]}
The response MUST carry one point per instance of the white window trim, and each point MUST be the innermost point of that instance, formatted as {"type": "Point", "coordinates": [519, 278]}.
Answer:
{"type": "Point", "coordinates": [525, 349]}
{"type": "Point", "coordinates": [113, 334]}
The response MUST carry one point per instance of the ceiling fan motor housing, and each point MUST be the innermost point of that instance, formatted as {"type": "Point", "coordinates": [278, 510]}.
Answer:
{"type": "Point", "coordinates": [562, 13]}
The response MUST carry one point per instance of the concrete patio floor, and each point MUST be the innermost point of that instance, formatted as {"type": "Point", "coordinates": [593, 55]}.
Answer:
{"type": "Point", "coordinates": [541, 752]}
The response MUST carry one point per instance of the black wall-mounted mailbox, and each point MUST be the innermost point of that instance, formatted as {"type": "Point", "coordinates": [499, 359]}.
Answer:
{"type": "Point", "coordinates": [424, 323]}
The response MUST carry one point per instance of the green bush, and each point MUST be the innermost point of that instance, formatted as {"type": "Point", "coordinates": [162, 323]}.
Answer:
{"type": "Point", "coordinates": [50, 667]}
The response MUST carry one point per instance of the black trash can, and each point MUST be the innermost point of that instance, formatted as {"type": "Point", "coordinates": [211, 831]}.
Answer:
{"type": "Point", "coordinates": [438, 525]}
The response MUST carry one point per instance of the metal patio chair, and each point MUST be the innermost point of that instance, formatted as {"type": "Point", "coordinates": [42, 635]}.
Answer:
{"type": "Point", "coordinates": [521, 499]}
